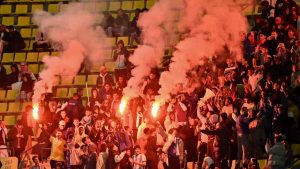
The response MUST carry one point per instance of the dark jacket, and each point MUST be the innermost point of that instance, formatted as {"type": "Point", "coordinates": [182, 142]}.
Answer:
{"type": "Point", "coordinates": [242, 124]}
{"type": "Point", "coordinates": [13, 139]}
{"type": "Point", "coordinates": [105, 79]}
{"type": "Point", "coordinates": [222, 138]}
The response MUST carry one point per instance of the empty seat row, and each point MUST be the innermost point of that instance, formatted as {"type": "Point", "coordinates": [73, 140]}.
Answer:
{"type": "Point", "coordinates": [79, 80]}
{"type": "Point", "coordinates": [9, 107]}
{"type": "Point", "coordinates": [64, 92]}
{"type": "Point", "coordinates": [16, 20]}
{"type": "Point", "coordinates": [56, 7]}
{"type": "Point", "coordinates": [9, 95]}
{"type": "Point", "coordinates": [26, 56]}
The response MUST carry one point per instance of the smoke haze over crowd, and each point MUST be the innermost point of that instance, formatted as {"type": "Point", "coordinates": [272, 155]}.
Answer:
{"type": "Point", "coordinates": [75, 30]}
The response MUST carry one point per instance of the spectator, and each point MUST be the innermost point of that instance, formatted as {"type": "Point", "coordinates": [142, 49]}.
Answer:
{"type": "Point", "coordinates": [18, 137]}
{"type": "Point", "coordinates": [36, 163]}
{"type": "Point", "coordinates": [277, 154]}
{"type": "Point", "coordinates": [121, 60]}
{"type": "Point", "coordinates": [15, 41]}
{"type": "Point", "coordinates": [101, 161]}
{"type": "Point", "coordinates": [104, 78]}
{"type": "Point", "coordinates": [135, 32]}
{"type": "Point", "coordinates": [2, 77]}
{"type": "Point", "coordinates": [221, 142]}
{"type": "Point", "coordinates": [57, 150]}
{"type": "Point", "coordinates": [3, 37]}
{"type": "Point", "coordinates": [13, 77]}
{"type": "Point", "coordinates": [138, 159]}
{"type": "Point", "coordinates": [121, 24]}
{"type": "Point", "coordinates": [74, 108]}
{"type": "Point", "coordinates": [25, 70]}
{"type": "Point", "coordinates": [243, 131]}
{"type": "Point", "coordinates": [108, 23]}
{"type": "Point", "coordinates": [95, 99]}
{"type": "Point", "coordinates": [3, 140]}
{"type": "Point", "coordinates": [173, 146]}
{"type": "Point", "coordinates": [41, 42]}
{"type": "Point", "coordinates": [26, 88]}
{"type": "Point", "coordinates": [92, 157]}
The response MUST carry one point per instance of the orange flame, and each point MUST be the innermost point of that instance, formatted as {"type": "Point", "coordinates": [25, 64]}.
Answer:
{"type": "Point", "coordinates": [122, 106]}
{"type": "Point", "coordinates": [35, 112]}
{"type": "Point", "coordinates": [155, 109]}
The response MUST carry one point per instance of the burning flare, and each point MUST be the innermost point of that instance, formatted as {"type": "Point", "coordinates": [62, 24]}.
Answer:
{"type": "Point", "coordinates": [35, 112]}
{"type": "Point", "coordinates": [122, 105]}
{"type": "Point", "coordinates": [155, 109]}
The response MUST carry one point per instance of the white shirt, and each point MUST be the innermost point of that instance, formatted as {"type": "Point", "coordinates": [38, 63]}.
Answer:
{"type": "Point", "coordinates": [140, 158]}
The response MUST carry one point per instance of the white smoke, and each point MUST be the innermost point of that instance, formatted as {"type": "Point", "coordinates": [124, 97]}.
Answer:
{"type": "Point", "coordinates": [211, 25]}
{"type": "Point", "coordinates": [159, 30]}
{"type": "Point", "coordinates": [75, 29]}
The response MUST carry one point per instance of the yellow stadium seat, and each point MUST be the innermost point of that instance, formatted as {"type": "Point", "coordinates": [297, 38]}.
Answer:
{"type": "Point", "coordinates": [34, 68]}
{"type": "Point", "coordinates": [92, 79]}
{"type": "Point", "coordinates": [5, 9]}
{"type": "Point", "coordinates": [32, 57]}
{"type": "Point", "coordinates": [66, 80]}
{"type": "Point", "coordinates": [62, 92]}
{"type": "Point", "coordinates": [87, 92]}
{"type": "Point", "coordinates": [27, 44]}
{"type": "Point", "coordinates": [127, 5]}
{"type": "Point", "coordinates": [295, 148]}
{"type": "Point", "coordinates": [72, 91]}
{"type": "Point", "coordinates": [23, 21]}
{"type": "Point", "coordinates": [8, 69]}
{"type": "Point", "coordinates": [112, 41]}
{"type": "Point", "coordinates": [34, 31]}
{"type": "Point", "coordinates": [3, 107]}
{"type": "Point", "coordinates": [110, 66]}
{"type": "Point", "coordinates": [7, 57]}
{"type": "Point", "coordinates": [54, 53]}
{"type": "Point", "coordinates": [14, 107]}
{"type": "Point", "coordinates": [2, 94]}
{"type": "Point", "coordinates": [95, 68]}
{"type": "Point", "coordinates": [107, 54]}
{"type": "Point", "coordinates": [84, 102]}
{"type": "Point", "coordinates": [100, 6]}
{"type": "Point", "coordinates": [53, 8]}
{"type": "Point", "coordinates": [26, 32]}
{"type": "Point", "coordinates": [79, 80]}
{"type": "Point", "coordinates": [37, 7]}
{"type": "Point", "coordinates": [42, 55]}
{"type": "Point", "coordinates": [41, 67]}
{"type": "Point", "coordinates": [138, 4]}
{"type": "Point", "coordinates": [21, 8]}
{"type": "Point", "coordinates": [150, 3]}
{"type": "Point", "coordinates": [25, 104]}
{"type": "Point", "coordinates": [8, 20]}
{"type": "Point", "coordinates": [20, 57]}
{"type": "Point", "coordinates": [114, 6]}
{"type": "Point", "coordinates": [262, 163]}
{"type": "Point", "coordinates": [62, 7]}
{"type": "Point", "coordinates": [12, 94]}
{"type": "Point", "coordinates": [125, 39]}
{"type": "Point", "coordinates": [10, 120]}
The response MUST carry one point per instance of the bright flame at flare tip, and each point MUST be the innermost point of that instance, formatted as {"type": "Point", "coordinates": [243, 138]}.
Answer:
{"type": "Point", "coordinates": [35, 112]}
{"type": "Point", "coordinates": [122, 106]}
{"type": "Point", "coordinates": [155, 109]}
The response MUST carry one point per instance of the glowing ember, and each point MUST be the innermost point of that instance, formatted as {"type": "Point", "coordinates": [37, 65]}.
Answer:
{"type": "Point", "coordinates": [35, 112]}
{"type": "Point", "coordinates": [155, 109]}
{"type": "Point", "coordinates": [122, 106]}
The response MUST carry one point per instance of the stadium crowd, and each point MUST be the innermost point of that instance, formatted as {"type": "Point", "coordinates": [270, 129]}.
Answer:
{"type": "Point", "coordinates": [243, 111]}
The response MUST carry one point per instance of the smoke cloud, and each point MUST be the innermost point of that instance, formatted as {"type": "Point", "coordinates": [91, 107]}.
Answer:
{"type": "Point", "coordinates": [159, 31]}
{"type": "Point", "coordinates": [75, 30]}
{"type": "Point", "coordinates": [209, 26]}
